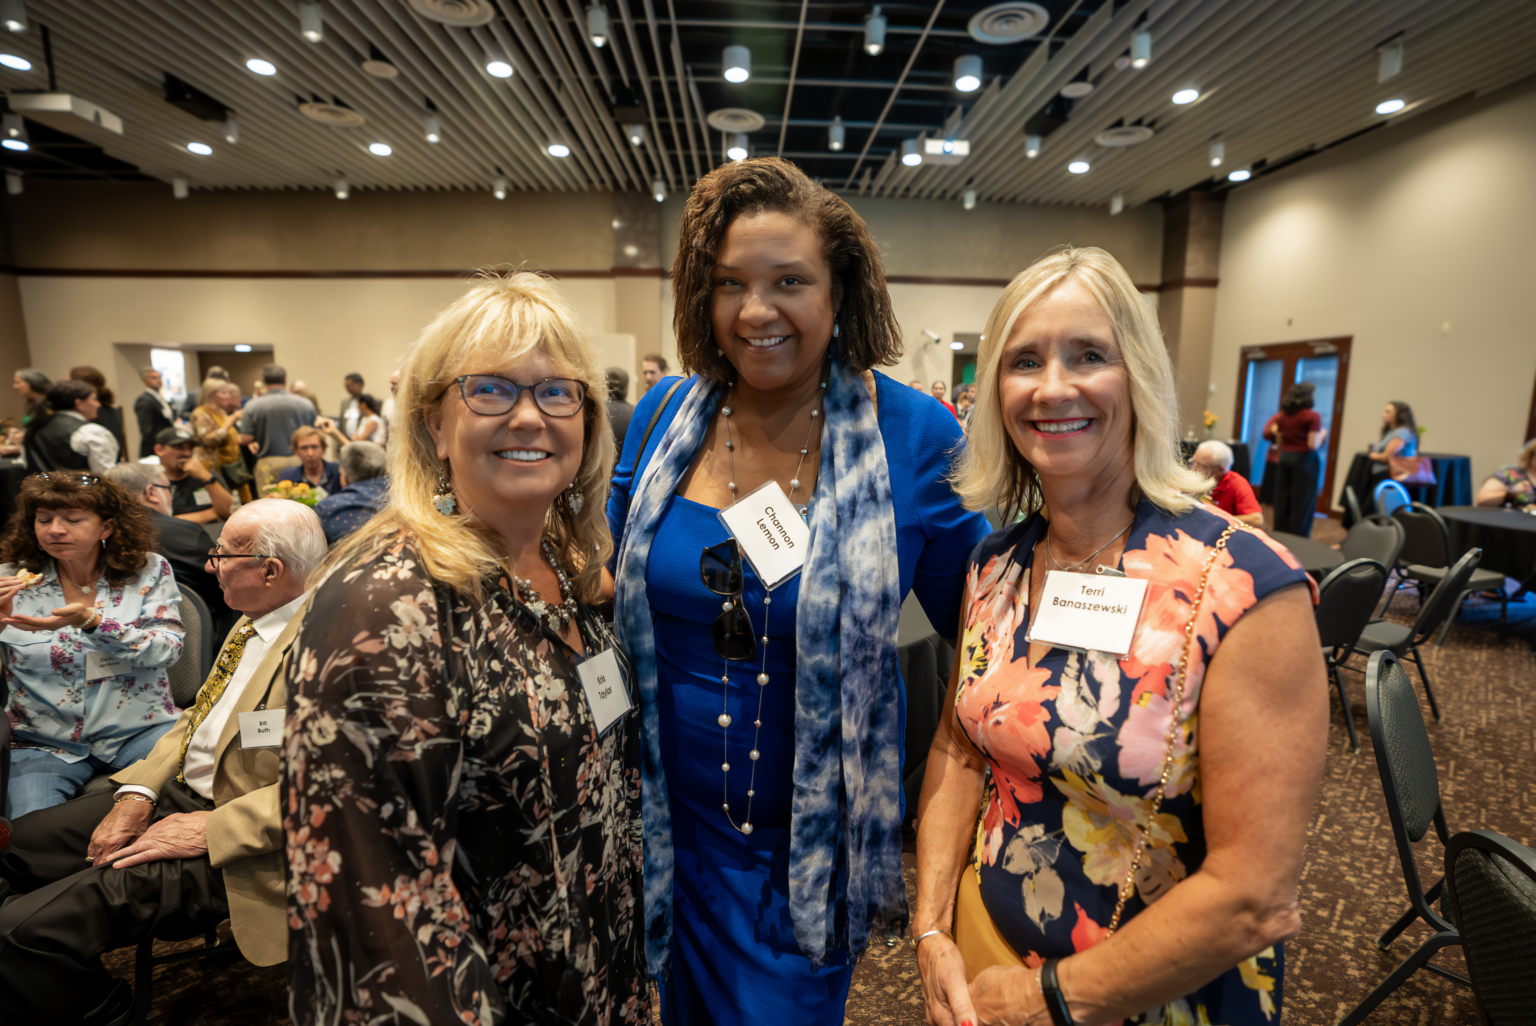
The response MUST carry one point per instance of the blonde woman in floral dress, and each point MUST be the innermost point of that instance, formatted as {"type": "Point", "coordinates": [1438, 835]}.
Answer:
{"type": "Point", "coordinates": [1136, 853]}
{"type": "Point", "coordinates": [463, 840]}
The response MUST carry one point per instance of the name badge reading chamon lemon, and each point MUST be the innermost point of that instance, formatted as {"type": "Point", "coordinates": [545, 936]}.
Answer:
{"type": "Point", "coordinates": [770, 532]}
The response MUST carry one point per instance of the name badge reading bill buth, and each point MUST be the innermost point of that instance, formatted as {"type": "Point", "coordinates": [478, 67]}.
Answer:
{"type": "Point", "coordinates": [1089, 612]}
{"type": "Point", "coordinates": [770, 532]}
{"type": "Point", "coordinates": [261, 729]}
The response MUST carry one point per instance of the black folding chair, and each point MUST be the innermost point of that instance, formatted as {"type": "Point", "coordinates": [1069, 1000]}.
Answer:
{"type": "Point", "coordinates": [1411, 786]}
{"type": "Point", "coordinates": [925, 671]}
{"type": "Point", "coordinates": [1427, 555]}
{"type": "Point", "coordinates": [1346, 601]}
{"type": "Point", "coordinates": [1375, 537]}
{"type": "Point", "coordinates": [1401, 640]}
{"type": "Point", "coordinates": [1490, 887]}
{"type": "Point", "coordinates": [1352, 505]}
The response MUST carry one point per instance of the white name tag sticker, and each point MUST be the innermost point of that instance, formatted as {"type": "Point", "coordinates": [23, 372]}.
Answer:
{"type": "Point", "coordinates": [604, 684]}
{"type": "Point", "coordinates": [201, 497]}
{"type": "Point", "coordinates": [99, 665]}
{"type": "Point", "coordinates": [770, 532]}
{"type": "Point", "coordinates": [1089, 612]}
{"type": "Point", "coordinates": [261, 729]}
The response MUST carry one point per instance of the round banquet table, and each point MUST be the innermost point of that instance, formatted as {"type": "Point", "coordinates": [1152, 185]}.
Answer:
{"type": "Point", "coordinates": [1314, 558]}
{"type": "Point", "coordinates": [1452, 487]}
{"type": "Point", "coordinates": [1506, 536]}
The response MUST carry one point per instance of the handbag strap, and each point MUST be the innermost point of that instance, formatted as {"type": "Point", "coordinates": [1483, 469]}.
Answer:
{"type": "Point", "coordinates": [666, 401]}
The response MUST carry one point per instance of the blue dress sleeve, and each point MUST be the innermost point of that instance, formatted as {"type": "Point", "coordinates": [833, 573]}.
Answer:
{"type": "Point", "coordinates": [624, 470]}
{"type": "Point", "coordinates": [922, 441]}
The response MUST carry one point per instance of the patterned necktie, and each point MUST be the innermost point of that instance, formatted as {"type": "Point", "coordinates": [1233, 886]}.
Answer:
{"type": "Point", "coordinates": [217, 681]}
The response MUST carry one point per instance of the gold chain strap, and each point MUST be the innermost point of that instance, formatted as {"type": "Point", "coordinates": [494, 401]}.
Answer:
{"type": "Point", "coordinates": [1175, 725]}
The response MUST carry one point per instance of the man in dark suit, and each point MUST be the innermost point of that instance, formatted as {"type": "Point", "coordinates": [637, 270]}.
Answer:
{"type": "Point", "coordinates": [620, 409]}
{"type": "Point", "coordinates": [184, 544]}
{"type": "Point", "coordinates": [152, 411]}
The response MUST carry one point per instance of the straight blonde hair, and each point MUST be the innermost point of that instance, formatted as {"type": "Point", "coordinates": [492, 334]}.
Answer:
{"type": "Point", "coordinates": [991, 472]}
{"type": "Point", "coordinates": [505, 315]}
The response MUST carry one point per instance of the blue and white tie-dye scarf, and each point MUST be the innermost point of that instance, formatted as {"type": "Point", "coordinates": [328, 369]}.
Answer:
{"type": "Point", "coordinates": [847, 776]}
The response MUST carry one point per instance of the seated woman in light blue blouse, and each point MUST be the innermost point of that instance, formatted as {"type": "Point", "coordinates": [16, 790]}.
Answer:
{"type": "Point", "coordinates": [86, 642]}
{"type": "Point", "coordinates": [1399, 437]}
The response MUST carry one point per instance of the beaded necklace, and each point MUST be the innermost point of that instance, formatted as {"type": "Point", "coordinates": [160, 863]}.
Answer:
{"type": "Point", "coordinates": [556, 618]}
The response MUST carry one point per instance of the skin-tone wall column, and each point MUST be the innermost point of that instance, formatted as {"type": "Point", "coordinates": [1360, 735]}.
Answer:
{"type": "Point", "coordinates": [1187, 299]}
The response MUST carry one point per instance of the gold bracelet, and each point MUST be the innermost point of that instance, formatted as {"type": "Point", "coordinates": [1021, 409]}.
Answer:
{"type": "Point", "coordinates": [135, 796]}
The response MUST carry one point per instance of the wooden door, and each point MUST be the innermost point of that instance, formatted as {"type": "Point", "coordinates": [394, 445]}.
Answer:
{"type": "Point", "coordinates": [1325, 362]}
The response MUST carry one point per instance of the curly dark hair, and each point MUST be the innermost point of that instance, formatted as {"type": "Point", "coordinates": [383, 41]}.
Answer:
{"type": "Point", "coordinates": [1298, 397]}
{"type": "Point", "coordinates": [868, 334]}
{"type": "Point", "coordinates": [133, 532]}
{"type": "Point", "coordinates": [1403, 417]}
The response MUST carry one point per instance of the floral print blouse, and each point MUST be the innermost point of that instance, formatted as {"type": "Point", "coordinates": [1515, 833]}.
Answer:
{"type": "Point", "coordinates": [1076, 745]}
{"type": "Point", "coordinates": [462, 845]}
{"type": "Point", "coordinates": [54, 705]}
{"type": "Point", "coordinates": [1519, 485]}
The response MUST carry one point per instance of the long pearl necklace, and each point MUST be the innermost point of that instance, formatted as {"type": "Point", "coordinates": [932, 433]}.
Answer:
{"type": "Point", "coordinates": [724, 719]}
{"type": "Point", "coordinates": [559, 617]}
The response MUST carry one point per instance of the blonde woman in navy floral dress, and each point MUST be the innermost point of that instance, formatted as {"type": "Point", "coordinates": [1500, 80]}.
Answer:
{"type": "Point", "coordinates": [1134, 856]}
{"type": "Point", "coordinates": [463, 841]}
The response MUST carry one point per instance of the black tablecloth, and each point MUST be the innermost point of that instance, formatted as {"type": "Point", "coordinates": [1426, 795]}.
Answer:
{"type": "Point", "coordinates": [12, 473]}
{"type": "Point", "coordinates": [1452, 487]}
{"type": "Point", "coordinates": [1315, 559]}
{"type": "Point", "coordinates": [1506, 536]}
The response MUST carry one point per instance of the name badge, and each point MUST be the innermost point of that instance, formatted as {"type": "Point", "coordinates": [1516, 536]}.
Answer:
{"type": "Point", "coordinates": [1089, 612]}
{"type": "Point", "coordinates": [201, 497]}
{"type": "Point", "coordinates": [99, 665]}
{"type": "Point", "coordinates": [261, 729]}
{"type": "Point", "coordinates": [770, 532]}
{"type": "Point", "coordinates": [604, 684]}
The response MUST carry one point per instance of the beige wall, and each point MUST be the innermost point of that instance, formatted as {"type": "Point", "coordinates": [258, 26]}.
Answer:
{"type": "Point", "coordinates": [1417, 241]}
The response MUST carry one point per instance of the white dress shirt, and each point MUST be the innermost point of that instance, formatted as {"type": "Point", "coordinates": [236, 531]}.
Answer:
{"type": "Point", "coordinates": [198, 767]}
{"type": "Point", "coordinates": [351, 415]}
{"type": "Point", "coordinates": [94, 442]}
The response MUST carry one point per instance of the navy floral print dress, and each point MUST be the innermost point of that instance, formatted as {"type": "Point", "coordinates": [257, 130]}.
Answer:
{"type": "Point", "coordinates": [462, 845]}
{"type": "Point", "coordinates": [1076, 745]}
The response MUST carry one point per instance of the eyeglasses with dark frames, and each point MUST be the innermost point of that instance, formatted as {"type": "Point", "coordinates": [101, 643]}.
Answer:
{"type": "Point", "coordinates": [215, 555]}
{"type": "Point", "coordinates": [720, 570]}
{"type": "Point", "coordinates": [163, 488]}
{"type": "Point", "coordinates": [491, 395]}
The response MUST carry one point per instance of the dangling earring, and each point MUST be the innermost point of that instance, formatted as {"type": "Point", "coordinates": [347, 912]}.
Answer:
{"type": "Point", "coordinates": [443, 500]}
{"type": "Point", "coordinates": [103, 544]}
{"type": "Point", "coordinates": [574, 499]}
{"type": "Point", "coordinates": [837, 329]}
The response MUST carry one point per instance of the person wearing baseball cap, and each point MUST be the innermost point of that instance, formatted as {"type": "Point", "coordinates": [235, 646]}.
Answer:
{"type": "Point", "coordinates": [196, 493]}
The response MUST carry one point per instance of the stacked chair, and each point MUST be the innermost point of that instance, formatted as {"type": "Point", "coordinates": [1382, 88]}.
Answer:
{"type": "Point", "coordinates": [1411, 786]}
{"type": "Point", "coordinates": [1347, 599]}
{"type": "Point", "coordinates": [1490, 886]}
{"type": "Point", "coordinates": [1426, 558]}
{"type": "Point", "coordinates": [1388, 496]}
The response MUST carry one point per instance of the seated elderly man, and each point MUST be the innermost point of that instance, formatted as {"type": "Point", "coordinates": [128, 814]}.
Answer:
{"type": "Point", "coordinates": [183, 543]}
{"type": "Point", "coordinates": [364, 491]}
{"type": "Point", "coordinates": [314, 469]}
{"type": "Point", "coordinates": [1232, 493]}
{"type": "Point", "coordinates": [193, 833]}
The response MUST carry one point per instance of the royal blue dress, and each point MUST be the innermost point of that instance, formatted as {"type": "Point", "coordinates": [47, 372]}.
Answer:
{"type": "Point", "coordinates": [735, 959]}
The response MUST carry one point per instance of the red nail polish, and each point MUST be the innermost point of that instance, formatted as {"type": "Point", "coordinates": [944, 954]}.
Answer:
{"type": "Point", "coordinates": [966, 1022]}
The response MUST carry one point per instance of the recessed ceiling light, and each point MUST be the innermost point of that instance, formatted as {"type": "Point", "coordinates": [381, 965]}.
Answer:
{"type": "Point", "coordinates": [1078, 167]}
{"type": "Point", "coordinates": [1242, 174]}
{"type": "Point", "coordinates": [957, 345]}
{"type": "Point", "coordinates": [1390, 106]}
{"type": "Point", "coordinates": [260, 66]}
{"type": "Point", "coordinates": [558, 149]}
{"type": "Point", "coordinates": [242, 349]}
{"type": "Point", "coordinates": [498, 68]}
{"type": "Point", "coordinates": [19, 145]}
{"type": "Point", "coordinates": [380, 149]}
{"type": "Point", "coordinates": [201, 149]}
{"type": "Point", "coordinates": [15, 63]}
{"type": "Point", "coordinates": [1184, 96]}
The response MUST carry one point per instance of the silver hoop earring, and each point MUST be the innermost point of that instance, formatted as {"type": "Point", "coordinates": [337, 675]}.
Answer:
{"type": "Point", "coordinates": [443, 500]}
{"type": "Point", "coordinates": [574, 499]}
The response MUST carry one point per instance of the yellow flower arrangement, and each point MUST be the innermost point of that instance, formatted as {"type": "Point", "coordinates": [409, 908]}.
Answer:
{"type": "Point", "coordinates": [300, 492]}
{"type": "Point", "coordinates": [1210, 423]}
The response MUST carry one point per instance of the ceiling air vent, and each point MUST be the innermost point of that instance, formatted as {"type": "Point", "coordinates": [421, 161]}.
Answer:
{"type": "Point", "coordinates": [735, 119]}
{"type": "Point", "coordinates": [335, 114]}
{"type": "Point", "coordinates": [1006, 23]}
{"type": "Point", "coordinates": [1124, 135]}
{"type": "Point", "coordinates": [458, 13]}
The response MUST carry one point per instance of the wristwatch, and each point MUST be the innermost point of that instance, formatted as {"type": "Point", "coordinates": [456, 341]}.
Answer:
{"type": "Point", "coordinates": [1050, 989]}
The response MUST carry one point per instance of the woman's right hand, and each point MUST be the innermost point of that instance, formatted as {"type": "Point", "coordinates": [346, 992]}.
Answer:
{"type": "Point", "coordinates": [946, 997]}
{"type": "Point", "coordinates": [9, 586]}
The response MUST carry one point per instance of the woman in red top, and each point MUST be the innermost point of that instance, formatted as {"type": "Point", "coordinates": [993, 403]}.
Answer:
{"type": "Point", "coordinates": [1298, 433]}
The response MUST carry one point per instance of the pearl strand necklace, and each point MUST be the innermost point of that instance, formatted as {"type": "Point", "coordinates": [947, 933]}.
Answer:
{"type": "Point", "coordinates": [724, 719]}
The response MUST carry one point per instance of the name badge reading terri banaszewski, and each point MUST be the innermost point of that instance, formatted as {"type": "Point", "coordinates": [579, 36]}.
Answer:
{"type": "Point", "coordinates": [1089, 612]}
{"type": "Point", "coordinates": [770, 532]}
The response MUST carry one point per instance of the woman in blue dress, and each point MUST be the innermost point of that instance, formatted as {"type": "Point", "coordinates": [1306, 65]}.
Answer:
{"type": "Point", "coordinates": [772, 778]}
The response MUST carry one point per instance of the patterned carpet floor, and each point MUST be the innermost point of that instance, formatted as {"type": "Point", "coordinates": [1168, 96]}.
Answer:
{"type": "Point", "coordinates": [1351, 884]}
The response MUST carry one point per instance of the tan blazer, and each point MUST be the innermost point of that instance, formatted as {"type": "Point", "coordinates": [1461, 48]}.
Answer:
{"type": "Point", "coordinates": [245, 830]}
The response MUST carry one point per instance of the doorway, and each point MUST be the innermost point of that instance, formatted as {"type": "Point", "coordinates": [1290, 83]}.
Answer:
{"type": "Point", "coordinates": [1263, 375]}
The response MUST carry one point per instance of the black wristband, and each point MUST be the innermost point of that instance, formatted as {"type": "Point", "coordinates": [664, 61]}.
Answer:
{"type": "Point", "coordinates": [1050, 989]}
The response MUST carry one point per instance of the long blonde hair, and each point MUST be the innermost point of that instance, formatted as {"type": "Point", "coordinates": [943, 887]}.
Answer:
{"type": "Point", "coordinates": [991, 472]}
{"type": "Point", "coordinates": [503, 316]}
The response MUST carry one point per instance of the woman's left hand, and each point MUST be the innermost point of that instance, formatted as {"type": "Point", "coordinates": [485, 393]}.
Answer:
{"type": "Point", "coordinates": [76, 614]}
